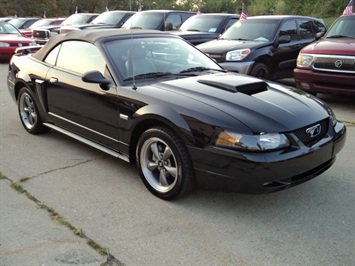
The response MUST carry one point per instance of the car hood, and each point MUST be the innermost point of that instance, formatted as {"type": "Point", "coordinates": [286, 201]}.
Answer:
{"type": "Point", "coordinates": [195, 34]}
{"type": "Point", "coordinates": [260, 106]}
{"type": "Point", "coordinates": [222, 46]}
{"type": "Point", "coordinates": [14, 38]}
{"type": "Point", "coordinates": [343, 46]}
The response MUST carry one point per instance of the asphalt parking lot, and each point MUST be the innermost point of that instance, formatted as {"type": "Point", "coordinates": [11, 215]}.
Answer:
{"type": "Point", "coordinates": [63, 203]}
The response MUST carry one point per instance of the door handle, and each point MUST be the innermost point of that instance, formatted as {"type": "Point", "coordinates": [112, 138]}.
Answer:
{"type": "Point", "coordinates": [53, 80]}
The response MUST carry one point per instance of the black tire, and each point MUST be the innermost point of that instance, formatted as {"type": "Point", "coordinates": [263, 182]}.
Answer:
{"type": "Point", "coordinates": [164, 163]}
{"type": "Point", "coordinates": [28, 111]}
{"type": "Point", "coordinates": [260, 70]}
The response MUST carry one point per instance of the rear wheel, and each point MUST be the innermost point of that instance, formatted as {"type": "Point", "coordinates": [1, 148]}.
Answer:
{"type": "Point", "coordinates": [260, 70]}
{"type": "Point", "coordinates": [28, 111]}
{"type": "Point", "coordinates": [164, 163]}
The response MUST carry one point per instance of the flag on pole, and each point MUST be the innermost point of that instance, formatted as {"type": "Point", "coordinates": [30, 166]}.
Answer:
{"type": "Point", "coordinates": [198, 10]}
{"type": "Point", "coordinates": [349, 8]}
{"type": "Point", "coordinates": [139, 7]}
{"type": "Point", "coordinates": [243, 15]}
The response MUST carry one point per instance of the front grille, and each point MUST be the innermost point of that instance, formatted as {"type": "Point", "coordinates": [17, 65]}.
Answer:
{"type": "Point", "coordinates": [306, 139]}
{"type": "Point", "coordinates": [218, 57]}
{"type": "Point", "coordinates": [343, 64]}
{"type": "Point", "coordinates": [40, 34]}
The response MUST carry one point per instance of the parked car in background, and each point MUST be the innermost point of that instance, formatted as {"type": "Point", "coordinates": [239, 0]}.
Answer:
{"type": "Point", "coordinates": [183, 122]}
{"type": "Point", "coordinates": [109, 19]}
{"type": "Point", "coordinates": [10, 39]}
{"type": "Point", "coordinates": [163, 20]}
{"type": "Point", "coordinates": [43, 34]}
{"type": "Point", "coordinates": [328, 65]}
{"type": "Point", "coordinates": [44, 22]}
{"type": "Point", "coordinates": [23, 23]}
{"type": "Point", "coordinates": [264, 46]}
{"type": "Point", "coordinates": [205, 27]}
{"type": "Point", "coordinates": [5, 19]}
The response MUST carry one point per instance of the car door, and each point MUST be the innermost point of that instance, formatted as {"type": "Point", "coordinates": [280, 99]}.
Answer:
{"type": "Point", "coordinates": [173, 21]}
{"type": "Point", "coordinates": [285, 54]}
{"type": "Point", "coordinates": [82, 108]}
{"type": "Point", "coordinates": [307, 32]}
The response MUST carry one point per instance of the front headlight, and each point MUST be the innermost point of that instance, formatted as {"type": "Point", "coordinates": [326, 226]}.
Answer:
{"type": "Point", "coordinates": [260, 142]}
{"type": "Point", "coordinates": [332, 116]}
{"type": "Point", "coordinates": [4, 44]}
{"type": "Point", "coordinates": [304, 60]}
{"type": "Point", "coordinates": [237, 55]}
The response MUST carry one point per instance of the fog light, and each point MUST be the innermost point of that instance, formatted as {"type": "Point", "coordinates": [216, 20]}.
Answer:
{"type": "Point", "coordinates": [304, 85]}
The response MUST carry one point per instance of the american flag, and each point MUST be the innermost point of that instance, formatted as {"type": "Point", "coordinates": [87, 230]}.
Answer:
{"type": "Point", "coordinates": [243, 15]}
{"type": "Point", "coordinates": [348, 9]}
{"type": "Point", "coordinates": [198, 10]}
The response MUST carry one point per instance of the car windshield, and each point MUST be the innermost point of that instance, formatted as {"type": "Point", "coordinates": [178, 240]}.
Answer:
{"type": "Point", "coordinates": [108, 18]}
{"type": "Point", "coordinates": [16, 22]}
{"type": "Point", "coordinates": [344, 27]}
{"type": "Point", "coordinates": [40, 23]}
{"type": "Point", "coordinates": [77, 19]}
{"type": "Point", "coordinates": [203, 23]}
{"type": "Point", "coordinates": [248, 29]}
{"type": "Point", "coordinates": [158, 57]}
{"type": "Point", "coordinates": [143, 20]}
{"type": "Point", "coordinates": [7, 28]}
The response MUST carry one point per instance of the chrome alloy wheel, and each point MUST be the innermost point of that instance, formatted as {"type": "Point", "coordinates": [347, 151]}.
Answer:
{"type": "Point", "coordinates": [159, 164]}
{"type": "Point", "coordinates": [28, 111]}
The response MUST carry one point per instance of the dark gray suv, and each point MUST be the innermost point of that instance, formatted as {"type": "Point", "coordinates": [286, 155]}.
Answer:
{"type": "Point", "coordinates": [264, 46]}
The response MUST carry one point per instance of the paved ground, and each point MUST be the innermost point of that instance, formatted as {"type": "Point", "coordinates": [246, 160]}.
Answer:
{"type": "Point", "coordinates": [79, 206]}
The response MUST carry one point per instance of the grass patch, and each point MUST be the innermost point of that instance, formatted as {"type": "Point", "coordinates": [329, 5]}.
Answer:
{"type": "Point", "coordinates": [2, 176]}
{"type": "Point", "coordinates": [18, 187]}
{"type": "Point", "coordinates": [97, 247]}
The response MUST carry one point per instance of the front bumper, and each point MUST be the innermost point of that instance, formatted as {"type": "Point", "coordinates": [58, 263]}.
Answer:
{"type": "Point", "coordinates": [239, 67]}
{"type": "Point", "coordinates": [225, 170]}
{"type": "Point", "coordinates": [324, 82]}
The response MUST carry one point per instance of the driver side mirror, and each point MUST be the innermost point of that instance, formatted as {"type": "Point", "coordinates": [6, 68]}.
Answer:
{"type": "Point", "coordinates": [320, 35]}
{"type": "Point", "coordinates": [285, 39]}
{"type": "Point", "coordinates": [96, 77]}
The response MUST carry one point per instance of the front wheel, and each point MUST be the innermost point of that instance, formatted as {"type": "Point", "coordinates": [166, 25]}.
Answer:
{"type": "Point", "coordinates": [28, 111]}
{"type": "Point", "coordinates": [260, 70]}
{"type": "Point", "coordinates": [164, 163]}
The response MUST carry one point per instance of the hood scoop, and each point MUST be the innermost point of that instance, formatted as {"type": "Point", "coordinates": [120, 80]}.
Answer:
{"type": "Point", "coordinates": [248, 88]}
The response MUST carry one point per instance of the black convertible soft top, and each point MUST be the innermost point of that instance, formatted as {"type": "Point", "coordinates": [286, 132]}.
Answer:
{"type": "Point", "coordinates": [94, 35]}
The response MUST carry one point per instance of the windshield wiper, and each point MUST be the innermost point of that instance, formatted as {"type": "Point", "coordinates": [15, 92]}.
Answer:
{"type": "Point", "coordinates": [242, 39]}
{"type": "Point", "coordinates": [193, 30]}
{"type": "Point", "coordinates": [196, 69]}
{"type": "Point", "coordinates": [340, 36]}
{"type": "Point", "coordinates": [149, 75]}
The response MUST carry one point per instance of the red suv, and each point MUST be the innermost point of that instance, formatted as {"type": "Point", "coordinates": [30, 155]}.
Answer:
{"type": "Point", "coordinates": [328, 65]}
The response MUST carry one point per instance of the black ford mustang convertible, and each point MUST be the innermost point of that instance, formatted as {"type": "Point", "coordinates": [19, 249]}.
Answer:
{"type": "Point", "coordinates": [153, 99]}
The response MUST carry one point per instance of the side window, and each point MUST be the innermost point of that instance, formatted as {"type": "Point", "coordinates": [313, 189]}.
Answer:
{"type": "Point", "coordinates": [173, 22]}
{"type": "Point", "coordinates": [80, 57]}
{"type": "Point", "coordinates": [319, 26]}
{"type": "Point", "coordinates": [306, 29]}
{"type": "Point", "coordinates": [51, 58]}
{"type": "Point", "coordinates": [289, 27]}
